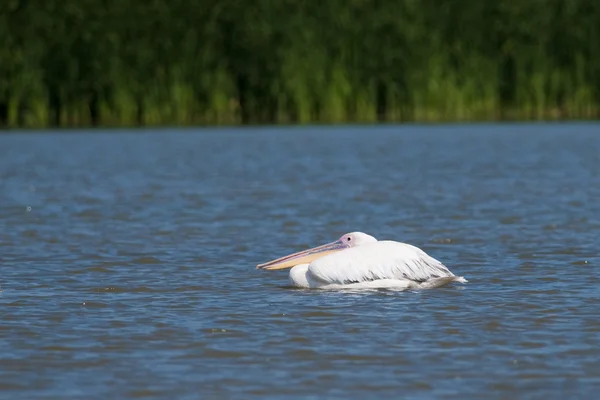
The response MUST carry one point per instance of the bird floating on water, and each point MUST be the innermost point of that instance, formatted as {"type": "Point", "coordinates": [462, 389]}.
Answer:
{"type": "Point", "coordinates": [358, 260]}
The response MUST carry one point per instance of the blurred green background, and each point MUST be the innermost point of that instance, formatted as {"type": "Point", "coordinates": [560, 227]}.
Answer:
{"type": "Point", "coordinates": [180, 62]}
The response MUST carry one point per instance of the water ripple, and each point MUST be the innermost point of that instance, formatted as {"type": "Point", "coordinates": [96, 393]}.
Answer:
{"type": "Point", "coordinates": [128, 263]}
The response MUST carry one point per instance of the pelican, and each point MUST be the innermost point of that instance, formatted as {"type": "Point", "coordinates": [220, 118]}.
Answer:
{"type": "Point", "coordinates": [358, 260]}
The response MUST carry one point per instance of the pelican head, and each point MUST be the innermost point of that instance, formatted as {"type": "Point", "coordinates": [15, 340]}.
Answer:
{"type": "Point", "coordinates": [348, 240]}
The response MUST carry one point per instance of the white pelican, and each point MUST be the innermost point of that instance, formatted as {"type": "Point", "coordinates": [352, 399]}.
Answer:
{"type": "Point", "coordinates": [358, 260]}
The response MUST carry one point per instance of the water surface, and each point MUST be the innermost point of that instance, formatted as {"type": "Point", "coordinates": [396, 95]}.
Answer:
{"type": "Point", "coordinates": [127, 263]}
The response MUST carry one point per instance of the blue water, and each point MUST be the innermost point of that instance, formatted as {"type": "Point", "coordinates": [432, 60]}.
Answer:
{"type": "Point", "coordinates": [128, 259]}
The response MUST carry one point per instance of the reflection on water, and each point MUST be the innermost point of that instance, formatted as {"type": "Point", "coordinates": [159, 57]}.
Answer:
{"type": "Point", "coordinates": [128, 263]}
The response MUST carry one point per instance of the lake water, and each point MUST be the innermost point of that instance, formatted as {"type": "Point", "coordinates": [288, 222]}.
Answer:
{"type": "Point", "coordinates": [128, 259]}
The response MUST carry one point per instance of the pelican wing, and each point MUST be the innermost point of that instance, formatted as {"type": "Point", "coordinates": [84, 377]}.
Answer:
{"type": "Point", "coordinates": [380, 260]}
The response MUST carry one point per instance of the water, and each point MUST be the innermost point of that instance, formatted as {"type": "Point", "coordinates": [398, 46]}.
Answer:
{"type": "Point", "coordinates": [128, 260]}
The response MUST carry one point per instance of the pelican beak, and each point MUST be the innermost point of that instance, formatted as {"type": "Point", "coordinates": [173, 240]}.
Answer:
{"type": "Point", "coordinates": [303, 257]}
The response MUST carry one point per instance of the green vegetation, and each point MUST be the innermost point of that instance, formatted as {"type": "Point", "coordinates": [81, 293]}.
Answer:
{"type": "Point", "coordinates": [182, 62]}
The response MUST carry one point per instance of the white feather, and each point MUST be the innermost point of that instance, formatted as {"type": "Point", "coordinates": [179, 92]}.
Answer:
{"type": "Point", "coordinates": [298, 276]}
{"type": "Point", "coordinates": [379, 260]}
{"type": "Point", "coordinates": [379, 264]}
